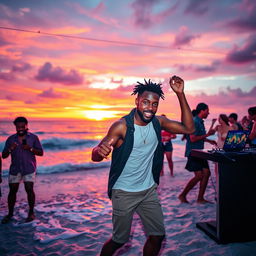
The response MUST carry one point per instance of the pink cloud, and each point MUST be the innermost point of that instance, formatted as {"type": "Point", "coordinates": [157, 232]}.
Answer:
{"type": "Point", "coordinates": [96, 13]}
{"type": "Point", "coordinates": [58, 75]}
{"type": "Point", "coordinates": [116, 81]}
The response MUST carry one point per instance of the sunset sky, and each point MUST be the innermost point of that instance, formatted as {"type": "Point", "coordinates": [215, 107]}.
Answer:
{"type": "Point", "coordinates": [81, 59]}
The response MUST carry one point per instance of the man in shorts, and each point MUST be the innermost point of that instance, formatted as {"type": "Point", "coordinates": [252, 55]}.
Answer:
{"type": "Point", "coordinates": [199, 166]}
{"type": "Point", "coordinates": [137, 160]}
{"type": "Point", "coordinates": [23, 147]}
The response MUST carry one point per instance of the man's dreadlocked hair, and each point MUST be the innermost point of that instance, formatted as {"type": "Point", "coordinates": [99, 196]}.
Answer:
{"type": "Point", "coordinates": [148, 86]}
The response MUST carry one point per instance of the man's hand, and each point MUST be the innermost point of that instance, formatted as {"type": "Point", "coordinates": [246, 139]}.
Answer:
{"type": "Point", "coordinates": [177, 84]}
{"type": "Point", "coordinates": [212, 142]}
{"type": "Point", "coordinates": [210, 132]}
{"type": "Point", "coordinates": [105, 148]}
{"type": "Point", "coordinates": [214, 121]}
{"type": "Point", "coordinates": [26, 147]}
{"type": "Point", "coordinates": [13, 146]}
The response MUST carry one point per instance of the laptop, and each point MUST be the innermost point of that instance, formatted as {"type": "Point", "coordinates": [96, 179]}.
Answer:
{"type": "Point", "coordinates": [235, 140]}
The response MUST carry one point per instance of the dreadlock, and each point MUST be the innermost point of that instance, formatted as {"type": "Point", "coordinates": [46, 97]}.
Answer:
{"type": "Point", "coordinates": [148, 86]}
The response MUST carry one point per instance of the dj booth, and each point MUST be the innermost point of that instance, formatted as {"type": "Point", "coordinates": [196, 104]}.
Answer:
{"type": "Point", "coordinates": [236, 196]}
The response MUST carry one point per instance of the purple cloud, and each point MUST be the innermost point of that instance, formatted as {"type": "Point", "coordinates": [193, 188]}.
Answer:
{"type": "Point", "coordinates": [11, 67]}
{"type": "Point", "coordinates": [21, 67]}
{"type": "Point", "coordinates": [247, 53]}
{"type": "Point", "coordinates": [6, 76]}
{"type": "Point", "coordinates": [200, 68]}
{"type": "Point", "coordinates": [58, 75]}
{"type": "Point", "coordinates": [50, 94]}
{"type": "Point", "coordinates": [247, 20]}
{"type": "Point", "coordinates": [245, 24]}
{"type": "Point", "coordinates": [197, 7]}
{"type": "Point", "coordinates": [143, 13]}
{"type": "Point", "coordinates": [10, 98]}
{"type": "Point", "coordinates": [183, 37]}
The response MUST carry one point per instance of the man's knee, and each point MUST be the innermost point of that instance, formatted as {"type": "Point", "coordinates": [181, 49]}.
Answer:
{"type": "Point", "coordinates": [13, 188]}
{"type": "Point", "coordinates": [29, 187]}
{"type": "Point", "coordinates": [206, 173]}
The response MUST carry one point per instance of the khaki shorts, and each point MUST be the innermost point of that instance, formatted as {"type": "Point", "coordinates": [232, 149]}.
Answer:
{"type": "Point", "coordinates": [25, 178]}
{"type": "Point", "coordinates": [145, 203]}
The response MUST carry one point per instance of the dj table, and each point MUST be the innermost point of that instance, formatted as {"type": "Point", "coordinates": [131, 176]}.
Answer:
{"type": "Point", "coordinates": [236, 192]}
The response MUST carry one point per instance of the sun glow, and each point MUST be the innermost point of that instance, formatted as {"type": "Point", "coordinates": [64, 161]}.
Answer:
{"type": "Point", "coordinates": [100, 114]}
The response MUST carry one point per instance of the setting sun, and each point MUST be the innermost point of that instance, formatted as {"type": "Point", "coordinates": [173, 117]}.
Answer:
{"type": "Point", "coordinates": [100, 114]}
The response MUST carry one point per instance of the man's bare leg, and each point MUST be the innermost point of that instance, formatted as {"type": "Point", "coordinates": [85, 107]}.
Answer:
{"type": "Point", "coordinates": [29, 187]}
{"type": "Point", "coordinates": [170, 162]}
{"type": "Point", "coordinates": [203, 185]}
{"type": "Point", "coordinates": [198, 177]}
{"type": "Point", "coordinates": [153, 245]}
{"type": "Point", "coordinates": [109, 248]}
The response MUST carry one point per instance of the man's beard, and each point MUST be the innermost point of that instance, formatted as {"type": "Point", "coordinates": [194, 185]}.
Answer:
{"type": "Point", "coordinates": [142, 117]}
{"type": "Point", "coordinates": [22, 133]}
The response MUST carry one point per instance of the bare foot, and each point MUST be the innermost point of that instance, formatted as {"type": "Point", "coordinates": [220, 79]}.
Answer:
{"type": "Point", "coordinates": [183, 199]}
{"type": "Point", "coordinates": [6, 219]}
{"type": "Point", "coordinates": [30, 217]}
{"type": "Point", "coordinates": [203, 201]}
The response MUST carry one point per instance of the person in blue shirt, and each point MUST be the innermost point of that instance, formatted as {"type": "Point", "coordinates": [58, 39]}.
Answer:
{"type": "Point", "coordinates": [22, 147]}
{"type": "Point", "coordinates": [199, 166]}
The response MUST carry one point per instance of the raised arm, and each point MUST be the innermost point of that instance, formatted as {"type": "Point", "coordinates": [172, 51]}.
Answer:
{"type": "Point", "coordinates": [113, 139]}
{"type": "Point", "coordinates": [187, 124]}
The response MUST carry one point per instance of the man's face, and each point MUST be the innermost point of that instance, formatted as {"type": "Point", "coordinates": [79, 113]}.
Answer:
{"type": "Point", "coordinates": [147, 104]}
{"type": "Point", "coordinates": [231, 120]}
{"type": "Point", "coordinates": [205, 113]}
{"type": "Point", "coordinates": [252, 117]}
{"type": "Point", "coordinates": [21, 128]}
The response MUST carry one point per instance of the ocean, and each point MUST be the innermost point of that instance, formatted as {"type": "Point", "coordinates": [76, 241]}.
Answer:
{"type": "Point", "coordinates": [68, 144]}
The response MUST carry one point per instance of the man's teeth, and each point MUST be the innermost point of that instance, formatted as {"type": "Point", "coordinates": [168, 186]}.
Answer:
{"type": "Point", "coordinates": [147, 114]}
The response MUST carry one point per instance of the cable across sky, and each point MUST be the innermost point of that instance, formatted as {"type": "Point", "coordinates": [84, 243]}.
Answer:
{"type": "Point", "coordinates": [39, 32]}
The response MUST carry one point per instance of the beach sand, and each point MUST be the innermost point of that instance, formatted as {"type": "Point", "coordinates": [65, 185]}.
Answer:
{"type": "Point", "coordinates": [73, 217]}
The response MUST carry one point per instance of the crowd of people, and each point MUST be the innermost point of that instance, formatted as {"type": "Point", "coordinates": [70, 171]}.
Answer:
{"type": "Point", "coordinates": [138, 143]}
